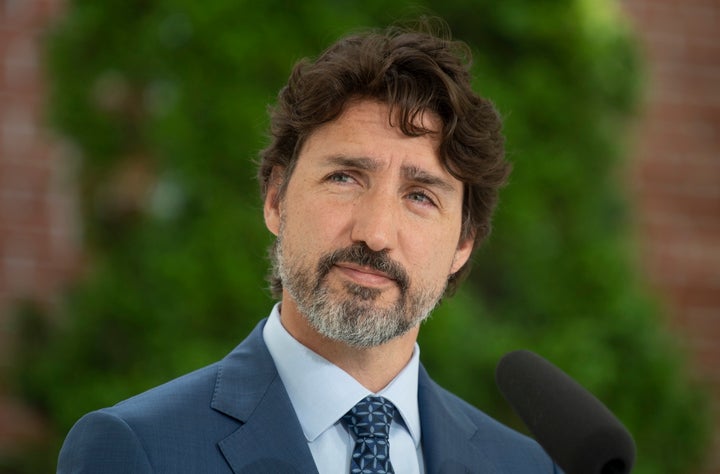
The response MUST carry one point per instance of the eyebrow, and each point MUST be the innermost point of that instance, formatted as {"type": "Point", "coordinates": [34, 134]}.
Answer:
{"type": "Point", "coordinates": [365, 164]}
{"type": "Point", "coordinates": [409, 172]}
{"type": "Point", "coordinates": [420, 176]}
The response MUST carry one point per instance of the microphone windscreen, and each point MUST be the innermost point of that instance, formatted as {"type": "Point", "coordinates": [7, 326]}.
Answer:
{"type": "Point", "coordinates": [572, 425]}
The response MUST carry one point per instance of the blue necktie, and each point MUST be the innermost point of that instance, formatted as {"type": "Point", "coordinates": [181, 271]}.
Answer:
{"type": "Point", "coordinates": [369, 422]}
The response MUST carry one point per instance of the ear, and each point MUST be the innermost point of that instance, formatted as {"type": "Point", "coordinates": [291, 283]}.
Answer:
{"type": "Point", "coordinates": [462, 253]}
{"type": "Point", "coordinates": [271, 207]}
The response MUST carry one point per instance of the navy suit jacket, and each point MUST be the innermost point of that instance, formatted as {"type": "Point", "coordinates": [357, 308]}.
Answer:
{"type": "Point", "coordinates": [235, 416]}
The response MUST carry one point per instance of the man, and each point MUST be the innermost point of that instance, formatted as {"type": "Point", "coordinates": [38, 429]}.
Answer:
{"type": "Point", "coordinates": [379, 181]}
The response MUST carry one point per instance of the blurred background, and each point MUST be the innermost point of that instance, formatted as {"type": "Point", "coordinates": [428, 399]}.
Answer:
{"type": "Point", "coordinates": [132, 248]}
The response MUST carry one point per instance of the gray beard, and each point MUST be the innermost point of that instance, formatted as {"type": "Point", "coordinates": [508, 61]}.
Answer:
{"type": "Point", "coordinates": [351, 315]}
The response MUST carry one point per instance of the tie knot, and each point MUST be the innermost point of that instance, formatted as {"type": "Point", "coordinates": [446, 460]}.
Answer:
{"type": "Point", "coordinates": [370, 418]}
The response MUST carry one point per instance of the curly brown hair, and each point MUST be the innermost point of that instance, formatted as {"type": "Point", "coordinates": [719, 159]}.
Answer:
{"type": "Point", "coordinates": [413, 70]}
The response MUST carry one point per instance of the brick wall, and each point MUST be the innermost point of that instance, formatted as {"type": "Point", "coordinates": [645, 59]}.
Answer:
{"type": "Point", "coordinates": [37, 232]}
{"type": "Point", "coordinates": [675, 177]}
{"type": "Point", "coordinates": [675, 173]}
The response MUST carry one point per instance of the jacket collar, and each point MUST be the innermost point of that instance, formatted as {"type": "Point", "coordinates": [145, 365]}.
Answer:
{"type": "Point", "coordinates": [248, 388]}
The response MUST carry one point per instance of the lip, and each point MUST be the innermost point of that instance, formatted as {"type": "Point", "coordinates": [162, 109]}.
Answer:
{"type": "Point", "coordinates": [365, 276]}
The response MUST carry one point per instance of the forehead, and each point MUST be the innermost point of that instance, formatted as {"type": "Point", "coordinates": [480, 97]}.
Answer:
{"type": "Point", "coordinates": [366, 129]}
{"type": "Point", "coordinates": [376, 116]}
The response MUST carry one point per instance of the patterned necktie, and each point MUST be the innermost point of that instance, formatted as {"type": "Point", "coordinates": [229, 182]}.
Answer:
{"type": "Point", "coordinates": [369, 422]}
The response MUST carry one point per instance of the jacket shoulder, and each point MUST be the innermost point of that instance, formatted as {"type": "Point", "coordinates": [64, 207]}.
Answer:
{"type": "Point", "coordinates": [102, 442]}
{"type": "Point", "coordinates": [169, 428]}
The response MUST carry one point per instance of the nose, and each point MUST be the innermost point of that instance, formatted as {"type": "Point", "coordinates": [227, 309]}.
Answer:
{"type": "Point", "coordinates": [375, 221]}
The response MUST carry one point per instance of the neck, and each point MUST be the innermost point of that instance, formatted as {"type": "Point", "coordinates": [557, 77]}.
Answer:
{"type": "Point", "coordinates": [373, 367]}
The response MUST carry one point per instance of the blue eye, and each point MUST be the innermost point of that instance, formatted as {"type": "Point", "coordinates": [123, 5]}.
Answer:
{"type": "Point", "coordinates": [339, 178]}
{"type": "Point", "coordinates": [421, 198]}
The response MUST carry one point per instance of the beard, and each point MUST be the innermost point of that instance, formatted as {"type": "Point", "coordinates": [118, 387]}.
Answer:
{"type": "Point", "coordinates": [353, 314]}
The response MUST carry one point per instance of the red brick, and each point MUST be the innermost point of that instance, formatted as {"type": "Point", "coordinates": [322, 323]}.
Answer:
{"type": "Point", "coordinates": [675, 175]}
{"type": "Point", "coordinates": [34, 257]}
{"type": "Point", "coordinates": [18, 424]}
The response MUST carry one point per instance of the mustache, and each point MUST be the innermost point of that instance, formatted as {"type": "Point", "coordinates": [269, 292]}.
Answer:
{"type": "Point", "coordinates": [361, 254]}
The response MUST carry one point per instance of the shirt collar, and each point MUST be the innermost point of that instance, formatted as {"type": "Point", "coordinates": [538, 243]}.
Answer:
{"type": "Point", "coordinates": [321, 393]}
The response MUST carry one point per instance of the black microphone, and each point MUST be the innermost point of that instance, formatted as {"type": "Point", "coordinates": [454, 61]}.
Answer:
{"type": "Point", "coordinates": [575, 428]}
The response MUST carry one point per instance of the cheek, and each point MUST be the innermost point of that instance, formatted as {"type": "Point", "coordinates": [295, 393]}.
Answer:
{"type": "Point", "coordinates": [433, 257]}
{"type": "Point", "coordinates": [313, 227]}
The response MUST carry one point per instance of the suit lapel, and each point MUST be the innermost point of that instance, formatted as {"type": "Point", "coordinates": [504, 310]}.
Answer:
{"type": "Point", "coordinates": [249, 389]}
{"type": "Point", "coordinates": [270, 438]}
{"type": "Point", "coordinates": [447, 434]}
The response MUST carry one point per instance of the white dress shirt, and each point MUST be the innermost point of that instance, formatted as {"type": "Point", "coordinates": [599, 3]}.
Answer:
{"type": "Point", "coordinates": [321, 393]}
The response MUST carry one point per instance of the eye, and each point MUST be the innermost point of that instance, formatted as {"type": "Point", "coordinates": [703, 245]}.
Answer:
{"type": "Point", "coordinates": [340, 177]}
{"type": "Point", "coordinates": [421, 198]}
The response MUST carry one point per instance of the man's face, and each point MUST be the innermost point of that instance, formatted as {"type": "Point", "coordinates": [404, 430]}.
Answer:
{"type": "Point", "coordinates": [368, 228]}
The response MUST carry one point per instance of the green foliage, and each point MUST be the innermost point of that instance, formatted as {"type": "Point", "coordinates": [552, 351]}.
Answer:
{"type": "Point", "coordinates": [165, 102]}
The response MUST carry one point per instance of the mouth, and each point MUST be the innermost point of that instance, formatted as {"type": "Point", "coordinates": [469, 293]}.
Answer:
{"type": "Point", "coordinates": [365, 276]}
{"type": "Point", "coordinates": [365, 268]}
